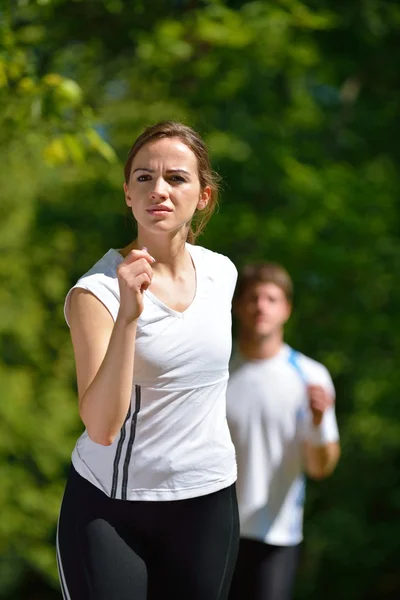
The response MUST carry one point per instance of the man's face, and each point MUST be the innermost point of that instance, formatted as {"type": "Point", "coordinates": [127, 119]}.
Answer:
{"type": "Point", "coordinates": [262, 310]}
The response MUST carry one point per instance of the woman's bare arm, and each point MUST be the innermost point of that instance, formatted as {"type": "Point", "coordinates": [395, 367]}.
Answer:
{"type": "Point", "coordinates": [105, 351]}
{"type": "Point", "coordinates": [104, 356]}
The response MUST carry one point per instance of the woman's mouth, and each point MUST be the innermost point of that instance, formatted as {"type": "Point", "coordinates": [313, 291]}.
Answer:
{"type": "Point", "coordinates": [158, 209]}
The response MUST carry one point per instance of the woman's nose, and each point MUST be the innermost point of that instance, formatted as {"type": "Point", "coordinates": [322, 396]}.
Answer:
{"type": "Point", "coordinates": [160, 189]}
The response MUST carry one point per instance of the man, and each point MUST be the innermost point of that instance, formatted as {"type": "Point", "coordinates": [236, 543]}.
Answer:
{"type": "Point", "coordinates": [282, 421]}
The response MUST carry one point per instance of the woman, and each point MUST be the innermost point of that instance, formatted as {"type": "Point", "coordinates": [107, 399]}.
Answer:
{"type": "Point", "coordinates": [149, 509]}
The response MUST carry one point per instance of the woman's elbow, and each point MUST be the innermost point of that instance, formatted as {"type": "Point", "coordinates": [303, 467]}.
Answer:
{"type": "Point", "coordinates": [97, 434]}
{"type": "Point", "coordinates": [101, 438]}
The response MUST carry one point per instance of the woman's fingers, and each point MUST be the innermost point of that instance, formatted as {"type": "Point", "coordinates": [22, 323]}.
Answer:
{"type": "Point", "coordinates": [143, 281]}
{"type": "Point", "coordinates": [134, 255]}
{"type": "Point", "coordinates": [134, 276]}
{"type": "Point", "coordinates": [130, 272]}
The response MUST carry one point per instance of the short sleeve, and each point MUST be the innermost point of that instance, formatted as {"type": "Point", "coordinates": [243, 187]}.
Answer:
{"type": "Point", "coordinates": [102, 282]}
{"type": "Point", "coordinates": [218, 268]}
{"type": "Point", "coordinates": [328, 430]}
{"type": "Point", "coordinates": [318, 374]}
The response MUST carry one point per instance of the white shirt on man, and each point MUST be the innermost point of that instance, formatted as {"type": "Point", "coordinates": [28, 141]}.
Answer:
{"type": "Point", "coordinates": [268, 415]}
{"type": "Point", "coordinates": [175, 443]}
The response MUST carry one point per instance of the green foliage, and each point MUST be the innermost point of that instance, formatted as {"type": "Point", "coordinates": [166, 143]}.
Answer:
{"type": "Point", "coordinates": [298, 101]}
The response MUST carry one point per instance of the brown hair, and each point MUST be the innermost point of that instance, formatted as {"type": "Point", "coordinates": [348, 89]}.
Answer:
{"type": "Point", "coordinates": [207, 177]}
{"type": "Point", "coordinates": [253, 274]}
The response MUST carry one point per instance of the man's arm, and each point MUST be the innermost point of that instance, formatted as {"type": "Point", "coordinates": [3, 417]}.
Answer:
{"type": "Point", "coordinates": [321, 455]}
{"type": "Point", "coordinates": [320, 461]}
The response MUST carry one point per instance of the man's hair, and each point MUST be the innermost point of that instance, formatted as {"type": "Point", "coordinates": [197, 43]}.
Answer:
{"type": "Point", "coordinates": [253, 274]}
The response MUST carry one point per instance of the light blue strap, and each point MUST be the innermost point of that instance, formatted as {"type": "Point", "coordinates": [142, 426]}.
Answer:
{"type": "Point", "coordinates": [293, 359]}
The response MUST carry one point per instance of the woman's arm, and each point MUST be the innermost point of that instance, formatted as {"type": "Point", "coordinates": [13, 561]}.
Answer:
{"type": "Point", "coordinates": [104, 358]}
{"type": "Point", "coordinates": [105, 351]}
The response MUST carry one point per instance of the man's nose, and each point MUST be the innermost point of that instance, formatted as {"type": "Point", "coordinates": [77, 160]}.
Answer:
{"type": "Point", "coordinates": [260, 303]}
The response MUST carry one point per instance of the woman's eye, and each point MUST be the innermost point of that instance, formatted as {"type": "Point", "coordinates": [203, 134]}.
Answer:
{"type": "Point", "coordinates": [143, 178]}
{"type": "Point", "coordinates": [178, 178]}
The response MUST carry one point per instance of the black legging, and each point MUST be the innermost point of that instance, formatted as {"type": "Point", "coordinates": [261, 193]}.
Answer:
{"type": "Point", "coordinates": [264, 572]}
{"type": "Point", "coordinates": [110, 549]}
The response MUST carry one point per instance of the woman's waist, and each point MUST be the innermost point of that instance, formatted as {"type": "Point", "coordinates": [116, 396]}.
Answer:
{"type": "Point", "coordinates": [173, 422]}
{"type": "Point", "coordinates": [160, 463]}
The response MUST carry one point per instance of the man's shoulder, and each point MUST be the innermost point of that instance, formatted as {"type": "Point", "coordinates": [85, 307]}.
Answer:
{"type": "Point", "coordinates": [274, 368]}
{"type": "Point", "coordinates": [315, 371]}
{"type": "Point", "coordinates": [309, 362]}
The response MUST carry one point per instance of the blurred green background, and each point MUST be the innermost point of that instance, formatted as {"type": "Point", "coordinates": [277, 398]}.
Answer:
{"type": "Point", "coordinates": [299, 102]}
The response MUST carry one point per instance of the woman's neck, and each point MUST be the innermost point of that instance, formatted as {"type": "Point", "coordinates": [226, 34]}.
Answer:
{"type": "Point", "coordinates": [170, 253]}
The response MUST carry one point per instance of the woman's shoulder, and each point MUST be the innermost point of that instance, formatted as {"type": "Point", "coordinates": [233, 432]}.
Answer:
{"type": "Point", "coordinates": [106, 265]}
{"type": "Point", "coordinates": [101, 280]}
{"type": "Point", "coordinates": [213, 259]}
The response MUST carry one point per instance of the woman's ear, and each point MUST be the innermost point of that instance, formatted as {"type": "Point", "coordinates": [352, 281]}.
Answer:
{"type": "Point", "coordinates": [204, 199]}
{"type": "Point", "coordinates": [128, 199]}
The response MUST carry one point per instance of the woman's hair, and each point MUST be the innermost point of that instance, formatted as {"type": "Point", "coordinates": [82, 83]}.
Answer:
{"type": "Point", "coordinates": [254, 274]}
{"type": "Point", "coordinates": [207, 177]}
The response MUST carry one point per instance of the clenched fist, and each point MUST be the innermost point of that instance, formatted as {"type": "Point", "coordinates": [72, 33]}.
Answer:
{"type": "Point", "coordinates": [319, 400]}
{"type": "Point", "coordinates": [134, 276]}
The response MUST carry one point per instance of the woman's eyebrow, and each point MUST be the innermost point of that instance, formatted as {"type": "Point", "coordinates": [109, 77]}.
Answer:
{"type": "Point", "coordinates": [178, 171]}
{"type": "Point", "coordinates": [168, 170]}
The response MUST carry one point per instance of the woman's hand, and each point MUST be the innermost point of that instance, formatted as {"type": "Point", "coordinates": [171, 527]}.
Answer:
{"type": "Point", "coordinates": [134, 276]}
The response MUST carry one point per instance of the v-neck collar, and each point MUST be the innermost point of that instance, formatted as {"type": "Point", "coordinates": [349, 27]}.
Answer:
{"type": "Point", "coordinates": [153, 298]}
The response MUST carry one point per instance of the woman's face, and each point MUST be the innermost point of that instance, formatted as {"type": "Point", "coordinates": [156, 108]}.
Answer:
{"type": "Point", "coordinates": [164, 188]}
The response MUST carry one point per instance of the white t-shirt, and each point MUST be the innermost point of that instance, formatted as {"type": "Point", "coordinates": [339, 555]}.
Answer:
{"type": "Point", "coordinates": [175, 442]}
{"type": "Point", "coordinates": [268, 416]}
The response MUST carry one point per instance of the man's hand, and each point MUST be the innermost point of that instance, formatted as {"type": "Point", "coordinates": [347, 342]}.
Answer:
{"type": "Point", "coordinates": [319, 400]}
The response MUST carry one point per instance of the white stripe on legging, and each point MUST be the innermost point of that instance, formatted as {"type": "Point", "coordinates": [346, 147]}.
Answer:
{"type": "Point", "coordinates": [64, 588]}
